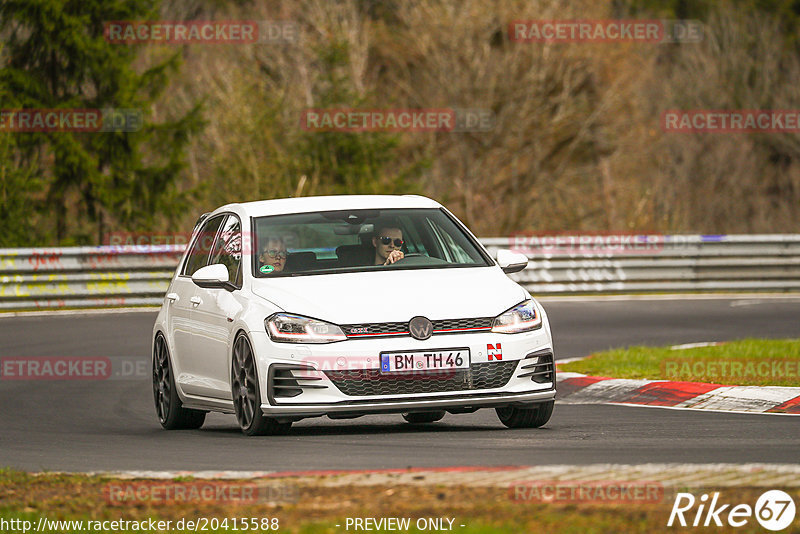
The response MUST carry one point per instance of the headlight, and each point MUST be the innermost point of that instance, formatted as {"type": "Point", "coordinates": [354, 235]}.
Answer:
{"type": "Point", "coordinates": [521, 318]}
{"type": "Point", "coordinates": [288, 328]}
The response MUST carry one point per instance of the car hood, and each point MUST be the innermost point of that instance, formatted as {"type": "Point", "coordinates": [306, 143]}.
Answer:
{"type": "Point", "coordinates": [394, 295]}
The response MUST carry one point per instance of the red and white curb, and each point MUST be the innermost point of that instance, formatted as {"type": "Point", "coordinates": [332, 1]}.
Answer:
{"type": "Point", "coordinates": [576, 388]}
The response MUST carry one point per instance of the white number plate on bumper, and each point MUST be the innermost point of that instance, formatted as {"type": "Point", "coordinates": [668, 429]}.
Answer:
{"type": "Point", "coordinates": [424, 360]}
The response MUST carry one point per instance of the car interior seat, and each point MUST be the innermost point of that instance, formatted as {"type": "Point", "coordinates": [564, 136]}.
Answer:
{"type": "Point", "coordinates": [300, 261]}
{"type": "Point", "coordinates": [355, 255]}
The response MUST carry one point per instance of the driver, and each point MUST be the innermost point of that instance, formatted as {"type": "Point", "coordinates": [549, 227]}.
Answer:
{"type": "Point", "coordinates": [388, 241]}
{"type": "Point", "coordinates": [273, 255]}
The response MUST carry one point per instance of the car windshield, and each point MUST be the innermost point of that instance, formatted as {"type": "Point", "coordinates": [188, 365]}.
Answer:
{"type": "Point", "coordinates": [361, 240]}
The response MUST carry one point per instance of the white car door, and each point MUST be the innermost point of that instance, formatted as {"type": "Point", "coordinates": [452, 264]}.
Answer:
{"type": "Point", "coordinates": [184, 300]}
{"type": "Point", "coordinates": [214, 314]}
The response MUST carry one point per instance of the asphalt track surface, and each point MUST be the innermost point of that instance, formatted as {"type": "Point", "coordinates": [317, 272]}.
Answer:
{"type": "Point", "coordinates": [111, 425]}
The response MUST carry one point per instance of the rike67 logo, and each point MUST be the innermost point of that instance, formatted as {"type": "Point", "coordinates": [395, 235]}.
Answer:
{"type": "Point", "coordinates": [774, 510]}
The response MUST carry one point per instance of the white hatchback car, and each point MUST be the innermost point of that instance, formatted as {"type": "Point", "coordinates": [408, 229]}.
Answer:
{"type": "Point", "coordinates": [346, 306]}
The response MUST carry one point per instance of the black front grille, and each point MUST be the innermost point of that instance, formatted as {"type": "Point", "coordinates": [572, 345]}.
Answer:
{"type": "Point", "coordinates": [363, 382]}
{"type": "Point", "coordinates": [442, 326]}
{"type": "Point", "coordinates": [375, 329]}
{"type": "Point", "coordinates": [453, 324]}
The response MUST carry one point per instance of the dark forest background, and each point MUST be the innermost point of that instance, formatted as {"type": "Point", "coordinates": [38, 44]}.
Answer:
{"type": "Point", "coordinates": [577, 146]}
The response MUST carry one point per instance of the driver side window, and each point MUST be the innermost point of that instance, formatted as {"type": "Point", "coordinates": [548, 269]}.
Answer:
{"type": "Point", "coordinates": [228, 249]}
{"type": "Point", "coordinates": [201, 247]}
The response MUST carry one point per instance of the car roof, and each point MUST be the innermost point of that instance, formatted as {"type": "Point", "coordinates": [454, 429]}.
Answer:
{"type": "Point", "coordinates": [283, 206]}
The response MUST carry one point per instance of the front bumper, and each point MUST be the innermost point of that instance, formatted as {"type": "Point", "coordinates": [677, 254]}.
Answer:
{"type": "Point", "coordinates": [324, 396]}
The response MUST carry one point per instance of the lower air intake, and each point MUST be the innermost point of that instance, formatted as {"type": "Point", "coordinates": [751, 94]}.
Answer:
{"type": "Point", "coordinates": [364, 382]}
{"type": "Point", "coordinates": [286, 380]}
{"type": "Point", "coordinates": [539, 366]}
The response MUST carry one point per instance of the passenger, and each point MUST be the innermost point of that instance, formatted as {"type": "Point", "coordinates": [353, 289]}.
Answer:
{"type": "Point", "coordinates": [388, 241]}
{"type": "Point", "coordinates": [273, 255]}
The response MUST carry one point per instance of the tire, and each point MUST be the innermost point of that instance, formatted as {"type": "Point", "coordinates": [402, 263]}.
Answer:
{"type": "Point", "coordinates": [516, 417]}
{"type": "Point", "coordinates": [247, 393]}
{"type": "Point", "coordinates": [169, 409]}
{"type": "Point", "coordinates": [423, 417]}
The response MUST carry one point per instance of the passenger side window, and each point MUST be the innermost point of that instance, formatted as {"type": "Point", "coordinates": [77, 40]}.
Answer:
{"type": "Point", "coordinates": [454, 253]}
{"type": "Point", "coordinates": [228, 249]}
{"type": "Point", "coordinates": [198, 255]}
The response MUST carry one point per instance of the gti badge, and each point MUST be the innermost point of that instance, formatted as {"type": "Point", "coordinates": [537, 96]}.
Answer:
{"type": "Point", "coordinates": [420, 327]}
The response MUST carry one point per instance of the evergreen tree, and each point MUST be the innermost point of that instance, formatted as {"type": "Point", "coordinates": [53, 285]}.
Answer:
{"type": "Point", "coordinates": [19, 186]}
{"type": "Point", "coordinates": [56, 56]}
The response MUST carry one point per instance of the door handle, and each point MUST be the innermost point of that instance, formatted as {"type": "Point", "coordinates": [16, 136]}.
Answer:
{"type": "Point", "coordinates": [173, 297]}
{"type": "Point", "coordinates": [196, 301]}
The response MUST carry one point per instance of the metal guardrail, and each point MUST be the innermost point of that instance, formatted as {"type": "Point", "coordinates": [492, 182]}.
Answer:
{"type": "Point", "coordinates": [86, 277]}
{"type": "Point", "coordinates": [662, 264]}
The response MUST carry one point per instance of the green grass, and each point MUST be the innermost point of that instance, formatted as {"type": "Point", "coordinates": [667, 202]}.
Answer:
{"type": "Point", "coordinates": [319, 508]}
{"type": "Point", "coordinates": [747, 362]}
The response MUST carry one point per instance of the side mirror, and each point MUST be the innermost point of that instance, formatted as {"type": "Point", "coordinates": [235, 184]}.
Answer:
{"type": "Point", "coordinates": [511, 262]}
{"type": "Point", "coordinates": [213, 277]}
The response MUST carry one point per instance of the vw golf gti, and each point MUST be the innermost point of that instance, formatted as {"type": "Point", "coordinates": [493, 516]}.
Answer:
{"type": "Point", "coordinates": [345, 306]}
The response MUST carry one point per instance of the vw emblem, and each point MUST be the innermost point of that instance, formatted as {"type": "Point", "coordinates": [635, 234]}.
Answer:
{"type": "Point", "coordinates": [420, 327]}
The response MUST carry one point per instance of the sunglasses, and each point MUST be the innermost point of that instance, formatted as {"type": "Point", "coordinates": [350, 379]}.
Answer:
{"type": "Point", "coordinates": [386, 240]}
{"type": "Point", "coordinates": [273, 253]}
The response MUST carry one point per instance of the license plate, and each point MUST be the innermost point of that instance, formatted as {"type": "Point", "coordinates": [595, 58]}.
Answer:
{"type": "Point", "coordinates": [424, 360]}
